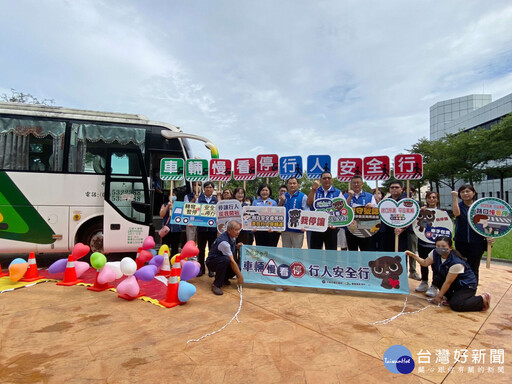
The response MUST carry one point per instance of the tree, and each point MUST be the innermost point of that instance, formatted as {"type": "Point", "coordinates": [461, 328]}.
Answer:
{"type": "Point", "coordinates": [26, 98]}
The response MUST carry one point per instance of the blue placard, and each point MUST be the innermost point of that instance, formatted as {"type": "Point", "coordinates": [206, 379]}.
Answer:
{"type": "Point", "coordinates": [384, 272]}
{"type": "Point", "coordinates": [198, 215]}
{"type": "Point", "coordinates": [317, 164]}
{"type": "Point", "coordinates": [290, 166]}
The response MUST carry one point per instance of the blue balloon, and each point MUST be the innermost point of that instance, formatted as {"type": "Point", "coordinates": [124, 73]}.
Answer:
{"type": "Point", "coordinates": [18, 260]}
{"type": "Point", "coordinates": [153, 251]}
{"type": "Point", "coordinates": [146, 273]}
{"type": "Point", "coordinates": [185, 291]}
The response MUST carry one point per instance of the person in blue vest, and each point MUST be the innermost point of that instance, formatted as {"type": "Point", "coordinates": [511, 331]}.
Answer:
{"type": "Point", "coordinates": [296, 200]}
{"type": "Point", "coordinates": [329, 238]}
{"type": "Point", "coordinates": [204, 234]}
{"type": "Point", "coordinates": [221, 258]}
{"type": "Point", "coordinates": [359, 198]}
{"type": "Point", "coordinates": [454, 278]}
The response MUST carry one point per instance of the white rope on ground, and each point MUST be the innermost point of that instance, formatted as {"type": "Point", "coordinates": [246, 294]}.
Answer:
{"type": "Point", "coordinates": [239, 287]}
{"type": "Point", "coordinates": [387, 321]}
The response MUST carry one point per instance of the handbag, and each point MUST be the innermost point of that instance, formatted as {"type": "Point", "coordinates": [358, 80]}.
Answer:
{"type": "Point", "coordinates": [165, 229]}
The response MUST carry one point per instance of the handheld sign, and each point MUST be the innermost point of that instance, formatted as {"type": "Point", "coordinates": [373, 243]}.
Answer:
{"type": "Point", "coordinates": [431, 224]}
{"type": "Point", "coordinates": [366, 221]}
{"type": "Point", "coordinates": [316, 221]}
{"type": "Point", "coordinates": [171, 169]}
{"type": "Point", "coordinates": [290, 166]}
{"type": "Point", "coordinates": [198, 215]}
{"type": "Point", "coordinates": [348, 167]}
{"type": "Point", "coordinates": [261, 218]}
{"type": "Point", "coordinates": [227, 210]}
{"type": "Point", "coordinates": [245, 169]}
{"type": "Point", "coordinates": [196, 170]}
{"type": "Point", "coordinates": [220, 170]}
{"type": "Point", "coordinates": [398, 214]}
{"type": "Point", "coordinates": [490, 217]}
{"type": "Point", "coordinates": [409, 167]}
{"type": "Point", "coordinates": [267, 166]}
{"type": "Point", "coordinates": [340, 213]}
{"type": "Point", "coordinates": [376, 168]}
{"type": "Point", "coordinates": [317, 164]}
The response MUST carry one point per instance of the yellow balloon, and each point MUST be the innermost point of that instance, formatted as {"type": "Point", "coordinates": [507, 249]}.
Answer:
{"type": "Point", "coordinates": [164, 248]}
{"type": "Point", "coordinates": [16, 271]}
{"type": "Point", "coordinates": [173, 259]}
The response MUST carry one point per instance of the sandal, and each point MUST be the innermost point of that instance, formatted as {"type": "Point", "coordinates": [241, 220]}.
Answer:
{"type": "Point", "coordinates": [487, 301]}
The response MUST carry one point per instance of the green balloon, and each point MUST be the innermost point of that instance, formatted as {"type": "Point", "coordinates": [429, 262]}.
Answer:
{"type": "Point", "coordinates": [98, 260]}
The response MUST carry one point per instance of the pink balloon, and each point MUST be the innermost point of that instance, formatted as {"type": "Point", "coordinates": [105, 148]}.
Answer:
{"type": "Point", "coordinates": [129, 287]}
{"type": "Point", "coordinates": [58, 267]}
{"type": "Point", "coordinates": [189, 250]}
{"type": "Point", "coordinates": [148, 243]}
{"type": "Point", "coordinates": [197, 263]}
{"type": "Point", "coordinates": [81, 267]}
{"type": "Point", "coordinates": [157, 261]}
{"type": "Point", "coordinates": [80, 250]}
{"type": "Point", "coordinates": [146, 273]}
{"type": "Point", "coordinates": [106, 275]}
{"type": "Point", "coordinates": [116, 267]}
{"type": "Point", "coordinates": [145, 256]}
{"type": "Point", "coordinates": [189, 271]}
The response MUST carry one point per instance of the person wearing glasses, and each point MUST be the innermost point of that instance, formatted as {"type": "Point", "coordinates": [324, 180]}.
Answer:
{"type": "Point", "coordinates": [324, 189]}
{"type": "Point", "coordinates": [396, 190]}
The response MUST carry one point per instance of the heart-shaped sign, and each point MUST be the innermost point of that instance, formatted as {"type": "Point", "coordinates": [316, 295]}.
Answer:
{"type": "Point", "coordinates": [398, 214]}
{"type": "Point", "coordinates": [80, 250]}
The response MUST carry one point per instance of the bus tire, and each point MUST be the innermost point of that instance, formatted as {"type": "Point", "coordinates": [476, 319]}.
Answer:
{"type": "Point", "coordinates": [92, 235]}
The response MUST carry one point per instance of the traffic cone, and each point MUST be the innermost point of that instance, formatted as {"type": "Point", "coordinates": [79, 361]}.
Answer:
{"type": "Point", "coordinates": [165, 269]}
{"type": "Point", "coordinates": [139, 266]}
{"type": "Point", "coordinates": [32, 274]}
{"type": "Point", "coordinates": [171, 299]}
{"type": "Point", "coordinates": [2, 274]}
{"type": "Point", "coordinates": [70, 274]}
{"type": "Point", "coordinates": [97, 287]}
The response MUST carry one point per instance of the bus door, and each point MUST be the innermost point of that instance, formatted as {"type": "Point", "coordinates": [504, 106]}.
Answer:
{"type": "Point", "coordinates": [127, 209]}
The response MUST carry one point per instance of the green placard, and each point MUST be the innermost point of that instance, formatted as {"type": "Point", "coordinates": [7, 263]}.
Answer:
{"type": "Point", "coordinates": [171, 169]}
{"type": "Point", "coordinates": [490, 217]}
{"type": "Point", "coordinates": [196, 170]}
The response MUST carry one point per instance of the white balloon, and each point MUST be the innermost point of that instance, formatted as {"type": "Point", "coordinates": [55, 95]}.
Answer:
{"type": "Point", "coordinates": [116, 267]}
{"type": "Point", "coordinates": [128, 266]}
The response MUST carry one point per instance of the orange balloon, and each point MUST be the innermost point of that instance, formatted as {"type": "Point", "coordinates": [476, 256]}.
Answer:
{"type": "Point", "coordinates": [17, 271]}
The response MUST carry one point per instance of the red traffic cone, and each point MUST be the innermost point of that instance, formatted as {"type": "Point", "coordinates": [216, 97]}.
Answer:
{"type": "Point", "coordinates": [32, 274]}
{"type": "Point", "coordinates": [171, 299]}
{"type": "Point", "coordinates": [137, 260]}
{"type": "Point", "coordinates": [2, 274]}
{"type": "Point", "coordinates": [70, 274]}
{"type": "Point", "coordinates": [97, 287]}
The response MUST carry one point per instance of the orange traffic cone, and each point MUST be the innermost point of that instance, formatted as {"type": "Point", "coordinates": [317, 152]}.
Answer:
{"type": "Point", "coordinates": [165, 269]}
{"type": "Point", "coordinates": [139, 264]}
{"type": "Point", "coordinates": [32, 274]}
{"type": "Point", "coordinates": [2, 274]}
{"type": "Point", "coordinates": [171, 299]}
{"type": "Point", "coordinates": [70, 274]}
{"type": "Point", "coordinates": [97, 287]}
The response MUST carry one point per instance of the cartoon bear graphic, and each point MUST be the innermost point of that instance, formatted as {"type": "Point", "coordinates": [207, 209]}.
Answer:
{"type": "Point", "coordinates": [426, 218]}
{"type": "Point", "coordinates": [388, 269]}
{"type": "Point", "coordinates": [294, 216]}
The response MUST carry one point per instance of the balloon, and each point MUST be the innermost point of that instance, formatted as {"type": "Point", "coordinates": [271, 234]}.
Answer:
{"type": "Point", "coordinates": [58, 267]}
{"type": "Point", "coordinates": [80, 250]}
{"type": "Point", "coordinates": [81, 267]}
{"type": "Point", "coordinates": [116, 267]}
{"type": "Point", "coordinates": [189, 250]}
{"type": "Point", "coordinates": [145, 256]}
{"type": "Point", "coordinates": [157, 261]}
{"type": "Point", "coordinates": [148, 243]}
{"type": "Point", "coordinates": [153, 252]}
{"type": "Point", "coordinates": [129, 286]}
{"type": "Point", "coordinates": [106, 275]}
{"type": "Point", "coordinates": [128, 266]}
{"type": "Point", "coordinates": [197, 263]}
{"type": "Point", "coordinates": [164, 248]}
{"type": "Point", "coordinates": [98, 260]}
{"type": "Point", "coordinates": [173, 259]}
{"type": "Point", "coordinates": [17, 270]}
{"type": "Point", "coordinates": [154, 268]}
{"type": "Point", "coordinates": [146, 273]}
{"type": "Point", "coordinates": [185, 291]}
{"type": "Point", "coordinates": [18, 260]}
{"type": "Point", "coordinates": [189, 271]}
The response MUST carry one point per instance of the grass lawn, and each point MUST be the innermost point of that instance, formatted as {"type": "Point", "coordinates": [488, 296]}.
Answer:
{"type": "Point", "coordinates": [502, 248]}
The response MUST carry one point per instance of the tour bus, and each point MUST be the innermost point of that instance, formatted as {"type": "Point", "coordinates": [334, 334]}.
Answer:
{"type": "Point", "coordinates": [69, 176]}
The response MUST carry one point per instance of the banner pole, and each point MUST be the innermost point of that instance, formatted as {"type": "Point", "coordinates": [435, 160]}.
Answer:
{"type": "Point", "coordinates": [396, 242]}
{"type": "Point", "coordinates": [172, 189]}
{"type": "Point", "coordinates": [408, 189]}
{"type": "Point", "coordinates": [245, 186]}
{"type": "Point", "coordinates": [489, 251]}
{"type": "Point", "coordinates": [267, 180]}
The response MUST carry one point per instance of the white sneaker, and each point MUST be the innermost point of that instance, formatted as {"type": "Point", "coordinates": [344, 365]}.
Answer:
{"type": "Point", "coordinates": [422, 287]}
{"type": "Point", "coordinates": [431, 292]}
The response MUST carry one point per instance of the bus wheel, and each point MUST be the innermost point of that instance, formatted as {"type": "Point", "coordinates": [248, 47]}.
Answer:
{"type": "Point", "coordinates": [93, 237]}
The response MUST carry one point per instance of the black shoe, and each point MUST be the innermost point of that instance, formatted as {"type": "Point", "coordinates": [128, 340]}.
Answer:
{"type": "Point", "coordinates": [226, 282]}
{"type": "Point", "coordinates": [216, 290]}
{"type": "Point", "coordinates": [211, 274]}
{"type": "Point", "coordinates": [201, 272]}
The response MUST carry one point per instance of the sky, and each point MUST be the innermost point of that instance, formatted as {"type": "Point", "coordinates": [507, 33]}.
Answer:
{"type": "Point", "coordinates": [344, 78]}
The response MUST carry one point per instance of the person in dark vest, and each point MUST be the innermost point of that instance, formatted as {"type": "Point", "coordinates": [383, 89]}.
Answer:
{"type": "Point", "coordinates": [454, 278]}
{"type": "Point", "coordinates": [204, 234]}
{"type": "Point", "coordinates": [221, 258]}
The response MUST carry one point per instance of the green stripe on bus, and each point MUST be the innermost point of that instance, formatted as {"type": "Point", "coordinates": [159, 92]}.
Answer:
{"type": "Point", "coordinates": [20, 219]}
